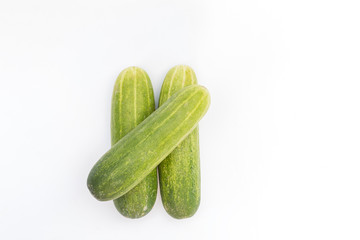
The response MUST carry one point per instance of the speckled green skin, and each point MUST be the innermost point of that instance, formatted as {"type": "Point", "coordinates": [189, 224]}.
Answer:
{"type": "Point", "coordinates": [140, 151]}
{"type": "Point", "coordinates": [132, 102]}
{"type": "Point", "coordinates": [179, 173]}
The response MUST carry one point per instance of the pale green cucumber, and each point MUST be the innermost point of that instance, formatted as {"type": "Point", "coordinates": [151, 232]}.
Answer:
{"type": "Point", "coordinates": [179, 173]}
{"type": "Point", "coordinates": [140, 151]}
{"type": "Point", "coordinates": [132, 102]}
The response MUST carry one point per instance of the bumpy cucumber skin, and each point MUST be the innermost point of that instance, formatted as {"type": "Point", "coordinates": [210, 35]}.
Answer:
{"type": "Point", "coordinates": [179, 173]}
{"type": "Point", "coordinates": [132, 102]}
{"type": "Point", "coordinates": [140, 151]}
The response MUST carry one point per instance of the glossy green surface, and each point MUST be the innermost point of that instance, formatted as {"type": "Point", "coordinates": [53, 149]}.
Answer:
{"type": "Point", "coordinates": [140, 151]}
{"type": "Point", "coordinates": [179, 173]}
{"type": "Point", "coordinates": [132, 102]}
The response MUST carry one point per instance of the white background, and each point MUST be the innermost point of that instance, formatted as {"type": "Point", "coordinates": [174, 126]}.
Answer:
{"type": "Point", "coordinates": [280, 151]}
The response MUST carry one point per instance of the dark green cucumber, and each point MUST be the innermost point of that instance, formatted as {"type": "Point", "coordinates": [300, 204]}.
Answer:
{"type": "Point", "coordinates": [179, 173]}
{"type": "Point", "coordinates": [140, 151]}
{"type": "Point", "coordinates": [132, 102]}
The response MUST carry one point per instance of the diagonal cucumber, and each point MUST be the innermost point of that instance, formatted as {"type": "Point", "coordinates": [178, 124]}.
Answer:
{"type": "Point", "coordinates": [140, 151]}
{"type": "Point", "coordinates": [132, 102]}
{"type": "Point", "coordinates": [179, 173]}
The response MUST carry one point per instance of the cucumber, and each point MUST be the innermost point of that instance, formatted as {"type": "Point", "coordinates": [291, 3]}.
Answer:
{"type": "Point", "coordinates": [179, 173]}
{"type": "Point", "coordinates": [140, 151]}
{"type": "Point", "coordinates": [133, 101]}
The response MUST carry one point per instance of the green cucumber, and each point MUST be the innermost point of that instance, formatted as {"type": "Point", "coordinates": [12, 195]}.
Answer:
{"type": "Point", "coordinates": [179, 173]}
{"type": "Point", "coordinates": [132, 102]}
{"type": "Point", "coordinates": [140, 151]}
